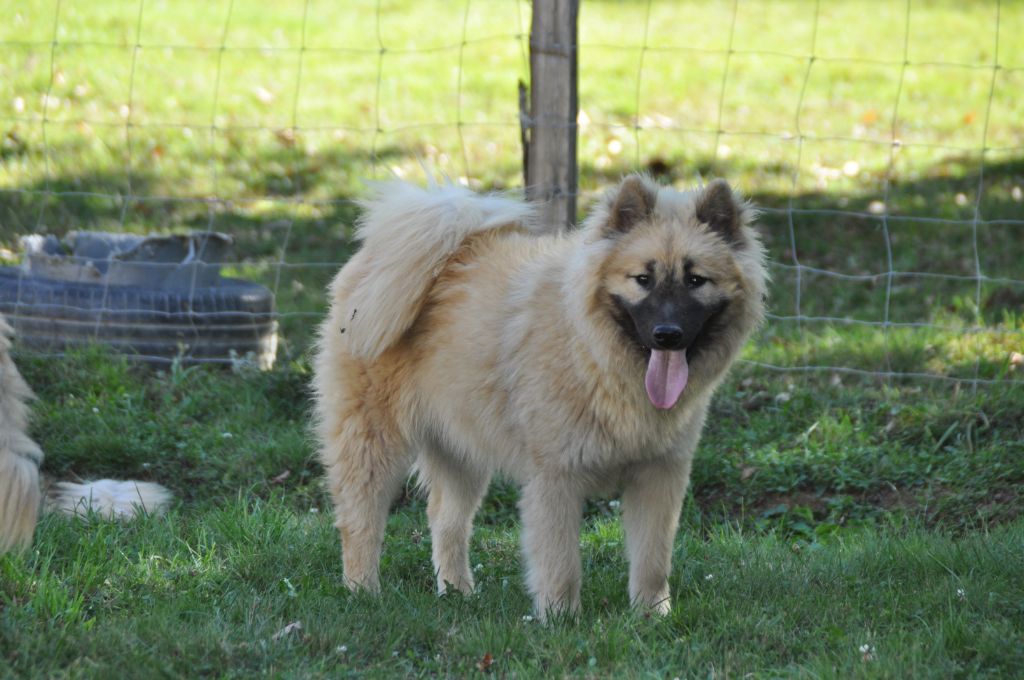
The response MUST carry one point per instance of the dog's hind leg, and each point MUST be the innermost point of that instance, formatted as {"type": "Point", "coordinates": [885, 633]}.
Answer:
{"type": "Point", "coordinates": [365, 470]}
{"type": "Point", "coordinates": [650, 516]}
{"type": "Point", "coordinates": [455, 491]}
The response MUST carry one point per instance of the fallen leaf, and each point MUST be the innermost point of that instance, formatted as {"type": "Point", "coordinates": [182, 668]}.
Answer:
{"type": "Point", "coordinates": [281, 477]}
{"type": "Point", "coordinates": [292, 627]}
{"type": "Point", "coordinates": [286, 136]}
{"type": "Point", "coordinates": [870, 116]}
{"type": "Point", "coordinates": [484, 664]}
{"type": "Point", "coordinates": [747, 472]}
{"type": "Point", "coordinates": [263, 94]}
{"type": "Point", "coordinates": [756, 401]}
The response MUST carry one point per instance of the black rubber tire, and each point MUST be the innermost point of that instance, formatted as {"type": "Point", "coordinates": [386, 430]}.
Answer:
{"type": "Point", "coordinates": [205, 324]}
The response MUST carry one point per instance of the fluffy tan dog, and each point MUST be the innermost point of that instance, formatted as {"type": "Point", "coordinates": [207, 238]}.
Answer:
{"type": "Point", "coordinates": [20, 492]}
{"type": "Point", "coordinates": [464, 340]}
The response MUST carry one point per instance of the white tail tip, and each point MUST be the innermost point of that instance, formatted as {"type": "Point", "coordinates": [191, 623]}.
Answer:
{"type": "Point", "coordinates": [109, 498]}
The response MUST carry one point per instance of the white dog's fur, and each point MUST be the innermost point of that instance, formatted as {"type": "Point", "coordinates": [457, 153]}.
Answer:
{"type": "Point", "coordinates": [108, 498]}
{"type": "Point", "coordinates": [21, 495]}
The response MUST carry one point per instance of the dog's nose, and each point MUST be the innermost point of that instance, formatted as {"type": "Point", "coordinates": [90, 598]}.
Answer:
{"type": "Point", "coordinates": [668, 336]}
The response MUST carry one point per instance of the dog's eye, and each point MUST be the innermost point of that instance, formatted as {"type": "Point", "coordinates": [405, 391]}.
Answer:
{"type": "Point", "coordinates": [644, 280]}
{"type": "Point", "coordinates": [694, 281]}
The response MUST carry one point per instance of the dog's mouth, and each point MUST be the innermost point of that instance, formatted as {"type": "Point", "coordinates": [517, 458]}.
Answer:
{"type": "Point", "coordinates": [667, 374]}
{"type": "Point", "coordinates": [667, 371]}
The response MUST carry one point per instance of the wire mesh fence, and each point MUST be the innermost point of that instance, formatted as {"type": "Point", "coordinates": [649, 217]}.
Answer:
{"type": "Point", "coordinates": [881, 140]}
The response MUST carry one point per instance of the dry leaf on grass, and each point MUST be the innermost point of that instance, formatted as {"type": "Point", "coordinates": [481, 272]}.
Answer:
{"type": "Point", "coordinates": [484, 664]}
{"type": "Point", "coordinates": [293, 627]}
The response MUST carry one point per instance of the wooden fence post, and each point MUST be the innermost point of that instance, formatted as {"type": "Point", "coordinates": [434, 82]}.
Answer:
{"type": "Point", "coordinates": [550, 125]}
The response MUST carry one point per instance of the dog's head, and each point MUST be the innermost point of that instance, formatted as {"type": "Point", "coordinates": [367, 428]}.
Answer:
{"type": "Point", "coordinates": [683, 280]}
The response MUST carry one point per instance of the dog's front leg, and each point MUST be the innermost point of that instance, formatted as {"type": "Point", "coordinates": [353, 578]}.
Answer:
{"type": "Point", "coordinates": [551, 507]}
{"type": "Point", "coordinates": [650, 504]}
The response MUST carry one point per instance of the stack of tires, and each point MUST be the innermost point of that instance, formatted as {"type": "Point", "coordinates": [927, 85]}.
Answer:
{"type": "Point", "coordinates": [226, 321]}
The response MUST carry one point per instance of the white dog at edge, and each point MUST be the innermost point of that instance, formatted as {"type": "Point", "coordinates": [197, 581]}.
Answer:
{"type": "Point", "coordinates": [21, 496]}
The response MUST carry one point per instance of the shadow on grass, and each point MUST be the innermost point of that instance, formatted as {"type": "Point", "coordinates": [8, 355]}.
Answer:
{"type": "Point", "coordinates": [276, 181]}
{"type": "Point", "coordinates": [292, 210]}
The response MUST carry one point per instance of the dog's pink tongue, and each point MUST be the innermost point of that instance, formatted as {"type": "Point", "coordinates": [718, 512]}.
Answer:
{"type": "Point", "coordinates": [667, 373]}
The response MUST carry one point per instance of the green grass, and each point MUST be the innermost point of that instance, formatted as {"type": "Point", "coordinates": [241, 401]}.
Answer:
{"type": "Point", "coordinates": [832, 509]}
{"type": "Point", "coordinates": [842, 516]}
{"type": "Point", "coordinates": [205, 593]}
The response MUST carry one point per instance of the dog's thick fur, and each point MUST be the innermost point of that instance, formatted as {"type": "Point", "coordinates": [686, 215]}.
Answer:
{"type": "Point", "coordinates": [21, 493]}
{"type": "Point", "coordinates": [20, 457]}
{"type": "Point", "coordinates": [464, 341]}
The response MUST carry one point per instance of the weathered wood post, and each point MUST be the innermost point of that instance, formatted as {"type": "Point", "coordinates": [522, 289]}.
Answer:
{"type": "Point", "coordinates": [549, 127]}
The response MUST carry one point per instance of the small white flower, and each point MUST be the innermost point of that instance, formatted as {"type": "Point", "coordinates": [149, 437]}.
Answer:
{"type": "Point", "coordinates": [313, 511]}
{"type": "Point", "coordinates": [478, 567]}
{"type": "Point", "coordinates": [614, 504]}
{"type": "Point", "coordinates": [960, 594]}
{"type": "Point", "coordinates": [527, 618]}
{"type": "Point", "coordinates": [708, 577]}
{"type": "Point", "coordinates": [95, 410]}
{"type": "Point", "coordinates": [341, 649]}
{"type": "Point", "coordinates": [394, 653]}
{"type": "Point", "coordinates": [226, 435]}
{"type": "Point", "coordinates": [867, 653]}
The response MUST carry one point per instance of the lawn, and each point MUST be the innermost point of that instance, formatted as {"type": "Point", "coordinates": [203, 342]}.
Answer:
{"type": "Point", "coordinates": [855, 515]}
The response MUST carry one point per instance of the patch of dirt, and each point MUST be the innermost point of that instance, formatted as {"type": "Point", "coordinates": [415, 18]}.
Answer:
{"type": "Point", "coordinates": [936, 505]}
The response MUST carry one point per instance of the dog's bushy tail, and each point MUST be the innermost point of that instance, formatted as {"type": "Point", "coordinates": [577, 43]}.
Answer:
{"type": "Point", "coordinates": [408, 235]}
{"type": "Point", "coordinates": [109, 498]}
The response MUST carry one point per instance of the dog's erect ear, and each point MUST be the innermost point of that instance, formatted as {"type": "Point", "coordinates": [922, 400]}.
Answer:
{"type": "Point", "coordinates": [719, 208]}
{"type": "Point", "coordinates": [633, 202]}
